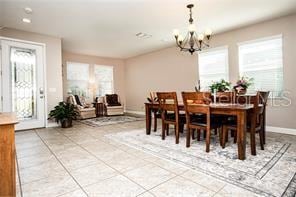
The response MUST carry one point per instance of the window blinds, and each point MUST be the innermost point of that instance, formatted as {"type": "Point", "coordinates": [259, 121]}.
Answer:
{"type": "Point", "coordinates": [263, 61]}
{"type": "Point", "coordinates": [213, 66]}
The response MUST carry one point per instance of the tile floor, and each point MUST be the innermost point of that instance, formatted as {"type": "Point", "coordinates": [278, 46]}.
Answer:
{"type": "Point", "coordinates": [80, 161]}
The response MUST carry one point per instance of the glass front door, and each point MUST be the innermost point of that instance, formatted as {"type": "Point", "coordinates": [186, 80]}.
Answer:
{"type": "Point", "coordinates": [22, 83]}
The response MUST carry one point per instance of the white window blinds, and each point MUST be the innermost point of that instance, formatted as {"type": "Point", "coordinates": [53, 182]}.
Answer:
{"type": "Point", "coordinates": [213, 66]}
{"type": "Point", "coordinates": [77, 78]}
{"type": "Point", "coordinates": [263, 61]}
{"type": "Point", "coordinates": [104, 79]}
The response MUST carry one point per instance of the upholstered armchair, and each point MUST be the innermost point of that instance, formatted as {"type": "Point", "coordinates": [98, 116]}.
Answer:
{"type": "Point", "coordinates": [85, 110]}
{"type": "Point", "coordinates": [113, 105]}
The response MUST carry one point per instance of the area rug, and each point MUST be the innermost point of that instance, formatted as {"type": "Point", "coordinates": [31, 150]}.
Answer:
{"type": "Point", "coordinates": [270, 173]}
{"type": "Point", "coordinates": [109, 120]}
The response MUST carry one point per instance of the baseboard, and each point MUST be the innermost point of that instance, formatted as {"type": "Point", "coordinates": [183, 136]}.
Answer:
{"type": "Point", "coordinates": [51, 124]}
{"type": "Point", "coordinates": [281, 130]}
{"type": "Point", "coordinates": [135, 112]}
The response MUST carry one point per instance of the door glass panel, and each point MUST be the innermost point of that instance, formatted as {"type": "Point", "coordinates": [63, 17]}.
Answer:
{"type": "Point", "coordinates": [23, 81]}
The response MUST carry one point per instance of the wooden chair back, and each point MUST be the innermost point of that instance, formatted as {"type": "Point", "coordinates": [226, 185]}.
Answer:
{"type": "Point", "coordinates": [263, 97]}
{"type": "Point", "coordinates": [196, 103]}
{"type": "Point", "coordinates": [168, 102]}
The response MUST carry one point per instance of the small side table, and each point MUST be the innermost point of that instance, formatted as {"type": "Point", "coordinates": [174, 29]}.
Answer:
{"type": "Point", "coordinates": [100, 109]}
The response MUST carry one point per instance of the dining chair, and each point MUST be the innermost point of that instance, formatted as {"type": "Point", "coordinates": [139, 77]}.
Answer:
{"type": "Point", "coordinates": [198, 103]}
{"type": "Point", "coordinates": [170, 115]}
{"type": "Point", "coordinates": [263, 100]}
{"type": "Point", "coordinates": [255, 118]}
{"type": "Point", "coordinates": [225, 97]}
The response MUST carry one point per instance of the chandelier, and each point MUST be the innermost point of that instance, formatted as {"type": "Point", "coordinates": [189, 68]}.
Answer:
{"type": "Point", "coordinates": [192, 41]}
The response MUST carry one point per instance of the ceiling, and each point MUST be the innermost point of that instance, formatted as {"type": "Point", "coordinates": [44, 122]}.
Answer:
{"type": "Point", "coordinates": [108, 28]}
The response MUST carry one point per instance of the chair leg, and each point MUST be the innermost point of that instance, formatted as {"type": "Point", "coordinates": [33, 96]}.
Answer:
{"type": "Point", "coordinates": [188, 134]}
{"type": "Point", "coordinates": [193, 134]}
{"type": "Point", "coordinates": [163, 131]}
{"type": "Point", "coordinates": [208, 138]}
{"type": "Point", "coordinates": [232, 133]}
{"type": "Point", "coordinates": [261, 134]}
{"type": "Point", "coordinates": [252, 134]}
{"type": "Point", "coordinates": [224, 134]}
{"type": "Point", "coordinates": [177, 134]}
{"type": "Point", "coordinates": [221, 136]}
{"type": "Point", "coordinates": [167, 129]}
{"type": "Point", "coordinates": [155, 122]}
{"type": "Point", "coordinates": [216, 131]}
{"type": "Point", "coordinates": [198, 135]}
{"type": "Point", "coordinates": [234, 137]}
{"type": "Point", "coordinates": [181, 128]}
{"type": "Point", "coordinates": [204, 133]}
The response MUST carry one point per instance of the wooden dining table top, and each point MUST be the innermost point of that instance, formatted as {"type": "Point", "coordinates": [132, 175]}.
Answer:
{"type": "Point", "coordinates": [217, 105]}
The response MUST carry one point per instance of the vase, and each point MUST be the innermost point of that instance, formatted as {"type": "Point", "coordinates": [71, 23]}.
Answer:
{"type": "Point", "coordinates": [241, 91]}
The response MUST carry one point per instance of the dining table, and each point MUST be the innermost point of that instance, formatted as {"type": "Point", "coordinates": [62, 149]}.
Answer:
{"type": "Point", "coordinates": [241, 111]}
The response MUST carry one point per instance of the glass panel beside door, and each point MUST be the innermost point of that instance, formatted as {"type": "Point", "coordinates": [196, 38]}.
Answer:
{"type": "Point", "coordinates": [23, 82]}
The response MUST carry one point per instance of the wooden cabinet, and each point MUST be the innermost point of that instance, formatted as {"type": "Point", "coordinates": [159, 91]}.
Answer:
{"type": "Point", "coordinates": [7, 154]}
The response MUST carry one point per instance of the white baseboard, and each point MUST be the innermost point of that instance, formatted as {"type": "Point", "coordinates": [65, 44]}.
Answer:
{"type": "Point", "coordinates": [135, 112]}
{"type": "Point", "coordinates": [281, 130]}
{"type": "Point", "coordinates": [51, 124]}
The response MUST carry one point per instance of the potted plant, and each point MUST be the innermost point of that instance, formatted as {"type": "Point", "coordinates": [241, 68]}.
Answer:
{"type": "Point", "coordinates": [220, 86]}
{"type": "Point", "coordinates": [242, 85]}
{"type": "Point", "coordinates": [63, 114]}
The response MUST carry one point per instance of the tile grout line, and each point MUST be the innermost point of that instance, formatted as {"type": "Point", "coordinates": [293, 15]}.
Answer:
{"type": "Point", "coordinates": [62, 165]}
{"type": "Point", "coordinates": [147, 190]}
{"type": "Point", "coordinates": [104, 163]}
{"type": "Point", "coordinates": [19, 175]}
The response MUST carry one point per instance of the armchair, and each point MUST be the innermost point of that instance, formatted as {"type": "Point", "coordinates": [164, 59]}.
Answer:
{"type": "Point", "coordinates": [113, 105]}
{"type": "Point", "coordinates": [84, 110]}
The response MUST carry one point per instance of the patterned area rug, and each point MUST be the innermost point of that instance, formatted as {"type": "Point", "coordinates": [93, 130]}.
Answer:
{"type": "Point", "coordinates": [270, 173]}
{"type": "Point", "coordinates": [109, 120]}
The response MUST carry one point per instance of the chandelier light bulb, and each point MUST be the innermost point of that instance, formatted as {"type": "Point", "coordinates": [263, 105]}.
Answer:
{"type": "Point", "coordinates": [191, 28]}
{"type": "Point", "coordinates": [200, 37]}
{"type": "Point", "coordinates": [180, 38]}
{"type": "Point", "coordinates": [176, 32]}
{"type": "Point", "coordinates": [208, 32]}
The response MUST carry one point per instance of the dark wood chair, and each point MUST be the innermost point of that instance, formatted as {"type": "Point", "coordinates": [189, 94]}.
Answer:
{"type": "Point", "coordinates": [198, 103]}
{"type": "Point", "coordinates": [256, 117]}
{"type": "Point", "coordinates": [168, 103]}
{"type": "Point", "coordinates": [263, 100]}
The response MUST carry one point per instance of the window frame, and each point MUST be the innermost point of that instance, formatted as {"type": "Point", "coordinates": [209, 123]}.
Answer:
{"type": "Point", "coordinates": [86, 91]}
{"type": "Point", "coordinates": [97, 81]}
{"type": "Point", "coordinates": [254, 41]}
{"type": "Point", "coordinates": [219, 48]}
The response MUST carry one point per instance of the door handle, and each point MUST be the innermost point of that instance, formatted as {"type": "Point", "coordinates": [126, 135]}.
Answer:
{"type": "Point", "coordinates": [41, 92]}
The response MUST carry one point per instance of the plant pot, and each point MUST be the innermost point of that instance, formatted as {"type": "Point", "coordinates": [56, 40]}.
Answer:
{"type": "Point", "coordinates": [66, 123]}
{"type": "Point", "coordinates": [242, 91]}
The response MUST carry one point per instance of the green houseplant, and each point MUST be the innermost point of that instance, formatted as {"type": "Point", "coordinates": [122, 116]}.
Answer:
{"type": "Point", "coordinates": [63, 114]}
{"type": "Point", "coordinates": [220, 86]}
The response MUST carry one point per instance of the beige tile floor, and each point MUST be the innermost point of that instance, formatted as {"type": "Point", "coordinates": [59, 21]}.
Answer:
{"type": "Point", "coordinates": [80, 161]}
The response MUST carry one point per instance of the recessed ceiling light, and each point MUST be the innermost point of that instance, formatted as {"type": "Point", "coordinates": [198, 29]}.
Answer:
{"type": "Point", "coordinates": [26, 20]}
{"type": "Point", "coordinates": [28, 10]}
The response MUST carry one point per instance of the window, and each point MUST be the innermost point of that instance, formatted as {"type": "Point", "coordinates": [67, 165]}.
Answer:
{"type": "Point", "coordinates": [77, 78]}
{"type": "Point", "coordinates": [104, 79]}
{"type": "Point", "coordinates": [213, 66]}
{"type": "Point", "coordinates": [263, 61]}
